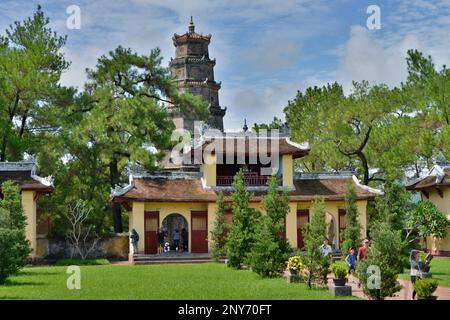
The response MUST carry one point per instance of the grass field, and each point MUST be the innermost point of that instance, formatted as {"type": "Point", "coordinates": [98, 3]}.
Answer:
{"type": "Point", "coordinates": [440, 268]}
{"type": "Point", "coordinates": [175, 281]}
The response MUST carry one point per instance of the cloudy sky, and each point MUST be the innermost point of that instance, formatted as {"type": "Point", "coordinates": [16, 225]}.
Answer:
{"type": "Point", "coordinates": [266, 50]}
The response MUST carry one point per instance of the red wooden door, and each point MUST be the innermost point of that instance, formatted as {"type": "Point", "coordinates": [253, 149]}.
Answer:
{"type": "Point", "coordinates": [199, 232]}
{"type": "Point", "coordinates": [302, 219]}
{"type": "Point", "coordinates": [151, 223]}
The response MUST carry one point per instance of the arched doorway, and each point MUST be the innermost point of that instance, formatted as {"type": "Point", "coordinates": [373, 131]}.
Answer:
{"type": "Point", "coordinates": [331, 230]}
{"type": "Point", "coordinates": [174, 222]}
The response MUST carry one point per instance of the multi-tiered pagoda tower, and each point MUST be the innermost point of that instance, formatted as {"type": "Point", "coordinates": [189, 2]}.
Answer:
{"type": "Point", "coordinates": [193, 71]}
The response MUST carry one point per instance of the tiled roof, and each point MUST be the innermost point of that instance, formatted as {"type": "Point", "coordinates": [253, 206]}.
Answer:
{"type": "Point", "coordinates": [191, 190]}
{"type": "Point", "coordinates": [23, 174]}
{"type": "Point", "coordinates": [437, 177]}
{"type": "Point", "coordinates": [252, 145]}
{"type": "Point", "coordinates": [190, 36]}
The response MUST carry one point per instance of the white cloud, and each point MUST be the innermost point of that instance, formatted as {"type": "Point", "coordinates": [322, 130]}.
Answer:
{"type": "Point", "coordinates": [261, 104]}
{"type": "Point", "coordinates": [363, 58]}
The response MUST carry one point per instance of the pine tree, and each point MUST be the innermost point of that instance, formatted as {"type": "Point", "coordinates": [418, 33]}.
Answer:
{"type": "Point", "coordinates": [14, 247]}
{"type": "Point", "coordinates": [218, 234]}
{"type": "Point", "coordinates": [352, 233]}
{"type": "Point", "coordinates": [378, 274]}
{"type": "Point", "coordinates": [394, 206]}
{"type": "Point", "coordinates": [316, 264]}
{"type": "Point", "coordinates": [271, 250]}
{"type": "Point", "coordinates": [243, 230]}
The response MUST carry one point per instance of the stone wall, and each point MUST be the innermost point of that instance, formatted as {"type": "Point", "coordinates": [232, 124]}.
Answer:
{"type": "Point", "coordinates": [113, 247]}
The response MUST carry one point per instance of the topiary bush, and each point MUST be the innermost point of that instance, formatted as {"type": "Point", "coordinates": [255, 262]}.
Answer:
{"type": "Point", "coordinates": [14, 247]}
{"type": "Point", "coordinates": [425, 287]}
{"type": "Point", "coordinates": [339, 270]}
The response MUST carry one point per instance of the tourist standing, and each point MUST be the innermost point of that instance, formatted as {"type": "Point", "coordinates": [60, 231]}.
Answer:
{"type": "Point", "coordinates": [325, 248]}
{"type": "Point", "coordinates": [176, 239]}
{"type": "Point", "coordinates": [362, 254]}
{"type": "Point", "coordinates": [362, 251]}
{"type": "Point", "coordinates": [160, 241]}
{"type": "Point", "coordinates": [134, 240]}
{"type": "Point", "coordinates": [351, 261]}
{"type": "Point", "coordinates": [184, 239]}
{"type": "Point", "coordinates": [415, 269]}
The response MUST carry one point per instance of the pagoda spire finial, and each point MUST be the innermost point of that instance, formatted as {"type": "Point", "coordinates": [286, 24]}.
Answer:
{"type": "Point", "coordinates": [245, 128]}
{"type": "Point", "coordinates": [191, 26]}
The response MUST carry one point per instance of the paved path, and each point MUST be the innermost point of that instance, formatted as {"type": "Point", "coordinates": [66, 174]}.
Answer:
{"type": "Point", "coordinates": [443, 293]}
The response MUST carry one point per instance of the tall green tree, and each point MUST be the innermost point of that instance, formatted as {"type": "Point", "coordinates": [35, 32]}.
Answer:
{"type": "Point", "coordinates": [271, 249]}
{"type": "Point", "coordinates": [352, 233]}
{"type": "Point", "coordinates": [124, 115]}
{"type": "Point", "coordinates": [243, 230]}
{"type": "Point", "coordinates": [316, 264]}
{"type": "Point", "coordinates": [378, 273]}
{"type": "Point", "coordinates": [425, 220]}
{"type": "Point", "coordinates": [14, 247]}
{"type": "Point", "coordinates": [355, 131]}
{"type": "Point", "coordinates": [31, 63]}
{"type": "Point", "coordinates": [275, 124]}
{"type": "Point", "coordinates": [428, 89]}
{"type": "Point", "coordinates": [394, 206]}
{"type": "Point", "coordinates": [219, 232]}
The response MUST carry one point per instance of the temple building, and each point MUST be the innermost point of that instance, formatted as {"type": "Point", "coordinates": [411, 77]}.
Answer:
{"type": "Point", "coordinates": [193, 72]}
{"type": "Point", "coordinates": [435, 187]}
{"type": "Point", "coordinates": [32, 187]}
{"type": "Point", "coordinates": [183, 197]}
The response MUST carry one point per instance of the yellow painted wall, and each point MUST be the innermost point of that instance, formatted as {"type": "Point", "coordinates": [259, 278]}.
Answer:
{"type": "Point", "coordinates": [332, 210]}
{"type": "Point", "coordinates": [288, 170]}
{"type": "Point", "coordinates": [209, 170]}
{"type": "Point", "coordinates": [136, 220]}
{"type": "Point", "coordinates": [443, 204]}
{"type": "Point", "coordinates": [291, 224]}
{"type": "Point", "coordinates": [137, 216]}
{"type": "Point", "coordinates": [211, 218]}
{"type": "Point", "coordinates": [29, 208]}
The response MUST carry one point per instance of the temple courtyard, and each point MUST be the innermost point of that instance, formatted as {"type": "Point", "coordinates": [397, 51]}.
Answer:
{"type": "Point", "coordinates": [180, 281]}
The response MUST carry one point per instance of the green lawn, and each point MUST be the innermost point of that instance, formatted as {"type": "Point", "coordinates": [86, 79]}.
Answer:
{"type": "Point", "coordinates": [175, 281]}
{"type": "Point", "coordinates": [440, 268]}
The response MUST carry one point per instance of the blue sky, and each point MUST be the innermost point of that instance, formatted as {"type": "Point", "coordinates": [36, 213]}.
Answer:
{"type": "Point", "coordinates": [266, 50]}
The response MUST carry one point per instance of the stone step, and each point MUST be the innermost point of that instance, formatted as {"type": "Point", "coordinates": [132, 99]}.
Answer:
{"type": "Point", "coordinates": [175, 258]}
{"type": "Point", "coordinates": [170, 261]}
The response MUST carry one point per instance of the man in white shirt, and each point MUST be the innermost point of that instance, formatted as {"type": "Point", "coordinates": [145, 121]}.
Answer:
{"type": "Point", "coordinates": [325, 248]}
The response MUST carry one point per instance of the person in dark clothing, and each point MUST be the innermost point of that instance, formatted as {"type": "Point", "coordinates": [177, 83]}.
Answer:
{"type": "Point", "coordinates": [160, 241]}
{"type": "Point", "coordinates": [351, 261]}
{"type": "Point", "coordinates": [134, 240]}
{"type": "Point", "coordinates": [176, 239]}
{"type": "Point", "coordinates": [184, 239]}
{"type": "Point", "coordinates": [415, 269]}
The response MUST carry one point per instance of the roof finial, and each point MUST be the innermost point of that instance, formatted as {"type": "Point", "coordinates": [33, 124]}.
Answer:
{"type": "Point", "coordinates": [191, 26]}
{"type": "Point", "coordinates": [245, 128]}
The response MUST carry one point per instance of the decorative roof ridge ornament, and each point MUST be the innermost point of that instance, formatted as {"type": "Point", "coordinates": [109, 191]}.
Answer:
{"type": "Point", "coordinates": [324, 175]}
{"type": "Point", "coordinates": [304, 145]}
{"type": "Point", "coordinates": [118, 190]}
{"type": "Point", "coordinates": [27, 165]}
{"type": "Point", "coordinates": [245, 128]}
{"type": "Point", "coordinates": [439, 172]}
{"type": "Point", "coordinates": [191, 26]}
{"type": "Point", "coordinates": [17, 166]}
{"type": "Point", "coordinates": [367, 188]}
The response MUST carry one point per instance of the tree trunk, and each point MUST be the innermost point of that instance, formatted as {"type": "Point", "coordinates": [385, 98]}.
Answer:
{"type": "Point", "coordinates": [116, 208]}
{"type": "Point", "coordinates": [6, 133]}
{"type": "Point", "coordinates": [365, 166]}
